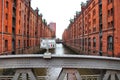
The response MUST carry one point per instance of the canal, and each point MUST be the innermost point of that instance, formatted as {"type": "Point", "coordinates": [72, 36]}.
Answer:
{"type": "Point", "coordinates": [52, 73]}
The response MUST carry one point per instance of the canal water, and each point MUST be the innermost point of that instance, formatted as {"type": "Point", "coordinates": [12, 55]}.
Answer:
{"type": "Point", "coordinates": [52, 73]}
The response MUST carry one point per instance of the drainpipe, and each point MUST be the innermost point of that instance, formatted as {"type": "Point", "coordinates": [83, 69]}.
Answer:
{"type": "Point", "coordinates": [22, 29]}
{"type": "Point", "coordinates": [2, 23]}
{"type": "Point", "coordinates": [113, 54]}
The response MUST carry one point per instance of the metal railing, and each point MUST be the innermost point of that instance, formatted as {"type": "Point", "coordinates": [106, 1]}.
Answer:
{"type": "Point", "coordinates": [25, 63]}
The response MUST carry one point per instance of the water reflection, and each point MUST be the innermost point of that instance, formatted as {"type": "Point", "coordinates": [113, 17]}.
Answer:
{"type": "Point", "coordinates": [62, 50]}
{"type": "Point", "coordinates": [53, 73]}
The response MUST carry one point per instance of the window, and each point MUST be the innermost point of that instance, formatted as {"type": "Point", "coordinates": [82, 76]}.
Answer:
{"type": "Point", "coordinates": [112, 24]}
{"type": "Point", "coordinates": [94, 21]}
{"type": "Point", "coordinates": [6, 44]}
{"type": "Point", "coordinates": [94, 12]}
{"type": "Point", "coordinates": [100, 43]}
{"type": "Point", "coordinates": [19, 13]}
{"type": "Point", "coordinates": [100, 28]}
{"type": "Point", "coordinates": [109, 25]}
{"type": "Point", "coordinates": [89, 42]}
{"type": "Point", "coordinates": [28, 43]}
{"type": "Point", "coordinates": [112, 12]}
{"type": "Point", "coordinates": [6, 16]}
{"type": "Point", "coordinates": [19, 31]}
{"type": "Point", "coordinates": [6, 28]}
{"type": "Point", "coordinates": [14, 1]}
{"type": "Point", "coordinates": [100, 0]}
{"type": "Point", "coordinates": [85, 41]}
{"type": "Point", "coordinates": [80, 41]}
{"type": "Point", "coordinates": [88, 16]}
{"type": "Point", "coordinates": [7, 4]}
{"type": "Point", "coordinates": [19, 43]}
{"type": "Point", "coordinates": [94, 29]}
{"type": "Point", "coordinates": [20, 5]}
{"type": "Point", "coordinates": [94, 42]}
{"type": "Point", "coordinates": [109, 13]}
{"type": "Point", "coordinates": [110, 43]}
{"type": "Point", "coordinates": [89, 30]}
{"type": "Point", "coordinates": [19, 22]}
{"type": "Point", "coordinates": [24, 43]}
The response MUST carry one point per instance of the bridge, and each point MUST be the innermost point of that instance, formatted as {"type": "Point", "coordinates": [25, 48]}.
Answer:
{"type": "Point", "coordinates": [69, 64]}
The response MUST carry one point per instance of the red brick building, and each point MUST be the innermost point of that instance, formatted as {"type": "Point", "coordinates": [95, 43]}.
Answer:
{"type": "Point", "coordinates": [6, 26]}
{"type": "Point", "coordinates": [95, 30]}
{"type": "Point", "coordinates": [21, 27]}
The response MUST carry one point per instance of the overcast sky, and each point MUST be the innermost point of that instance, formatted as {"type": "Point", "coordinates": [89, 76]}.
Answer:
{"type": "Point", "coordinates": [59, 11]}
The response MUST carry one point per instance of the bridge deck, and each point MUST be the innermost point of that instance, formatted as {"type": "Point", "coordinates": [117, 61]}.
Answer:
{"type": "Point", "coordinates": [60, 61]}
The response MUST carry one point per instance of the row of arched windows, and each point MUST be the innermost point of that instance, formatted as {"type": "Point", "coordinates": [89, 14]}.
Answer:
{"type": "Point", "coordinates": [109, 42]}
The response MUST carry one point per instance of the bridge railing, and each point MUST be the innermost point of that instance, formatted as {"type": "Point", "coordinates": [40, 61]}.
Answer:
{"type": "Point", "coordinates": [25, 63]}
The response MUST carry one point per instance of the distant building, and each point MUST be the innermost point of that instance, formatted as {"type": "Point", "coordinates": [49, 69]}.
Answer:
{"type": "Point", "coordinates": [52, 26]}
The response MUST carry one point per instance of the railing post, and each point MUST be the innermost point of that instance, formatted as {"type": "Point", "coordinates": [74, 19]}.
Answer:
{"type": "Point", "coordinates": [112, 75]}
{"type": "Point", "coordinates": [72, 74]}
{"type": "Point", "coordinates": [22, 74]}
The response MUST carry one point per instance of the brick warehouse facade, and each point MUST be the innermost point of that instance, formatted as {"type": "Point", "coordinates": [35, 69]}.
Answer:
{"type": "Point", "coordinates": [95, 30]}
{"type": "Point", "coordinates": [21, 27]}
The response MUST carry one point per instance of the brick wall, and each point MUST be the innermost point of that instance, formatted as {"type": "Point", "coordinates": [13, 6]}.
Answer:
{"type": "Point", "coordinates": [96, 22]}
{"type": "Point", "coordinates": [22, 29]}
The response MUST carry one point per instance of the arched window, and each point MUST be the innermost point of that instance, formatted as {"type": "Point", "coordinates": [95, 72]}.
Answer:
{"type": "Point", "coordinates": [89, 42]}
{"type": "Point", "coordinates": [85, 41]}
{"type": "Point", "coordinates": [110, 43]}
{"type": "Point", "coordinates": [94, 42]}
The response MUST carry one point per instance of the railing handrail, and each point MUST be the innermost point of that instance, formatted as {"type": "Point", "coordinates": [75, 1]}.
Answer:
{"type": "Point", "coordinates": [59, 56]}
{"type": "Point", "coordinates": [59, 61]}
